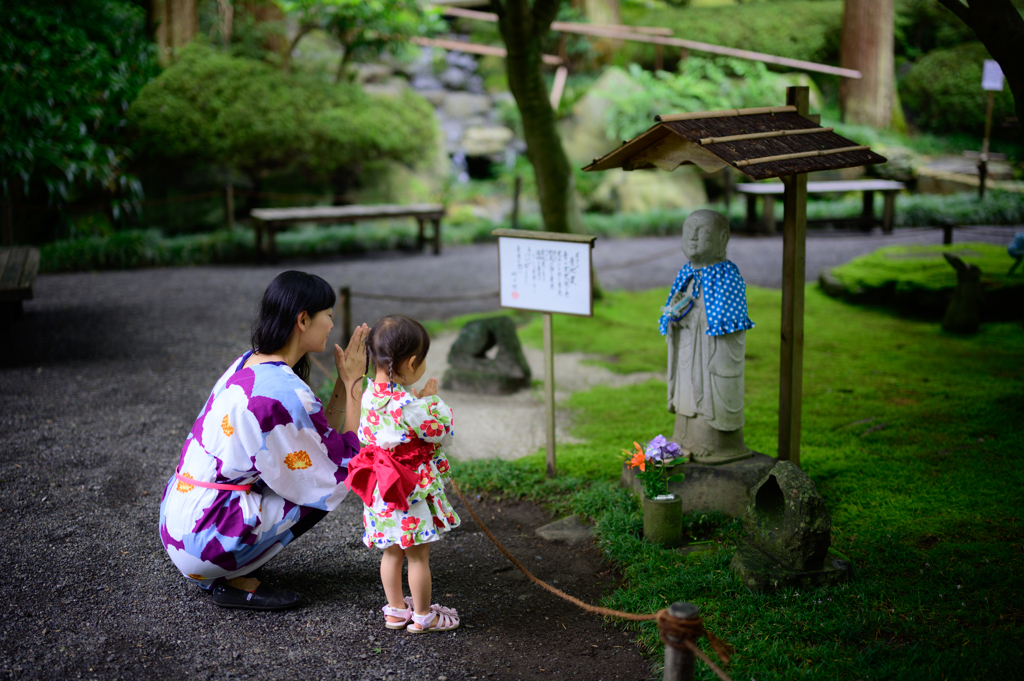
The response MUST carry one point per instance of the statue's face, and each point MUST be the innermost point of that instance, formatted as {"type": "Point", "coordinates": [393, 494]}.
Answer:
{"type": "Point", "coordinates": [702, 241]}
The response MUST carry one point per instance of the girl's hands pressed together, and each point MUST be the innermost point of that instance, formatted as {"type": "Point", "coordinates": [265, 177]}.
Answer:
{"type": "Point", "coordinates": [430, 388]}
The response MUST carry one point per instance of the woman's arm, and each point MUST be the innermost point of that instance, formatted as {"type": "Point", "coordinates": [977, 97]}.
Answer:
{"type": "Point", "coordinates": [351, 365]}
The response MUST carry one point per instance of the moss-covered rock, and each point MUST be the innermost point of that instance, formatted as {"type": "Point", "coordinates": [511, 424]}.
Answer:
{"type": "Point", "coordinates": [918, 281]}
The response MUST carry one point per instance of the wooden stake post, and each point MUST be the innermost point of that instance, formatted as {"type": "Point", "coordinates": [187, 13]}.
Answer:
{"type": "Point", "coordinates": [547, 272]}
{"type": "Point", "coordinates": [794, 262]}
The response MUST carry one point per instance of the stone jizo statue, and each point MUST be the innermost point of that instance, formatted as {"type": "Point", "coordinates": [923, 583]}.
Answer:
{"type": "Point", "coordinates": [705, 323]}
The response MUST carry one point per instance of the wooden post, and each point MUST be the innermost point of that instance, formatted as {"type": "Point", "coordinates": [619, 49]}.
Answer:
{"type": "Point", "coordinates": [947, 234]}
{"type": "Point", "coordinates": [983, 160]}
{"type": "Point", "coordinates": [659, 57]}
{"type": "Point", "coordinates": [437, 236]}
{"type": "Point", "coordinates": [794, 262]}
{"type": "Point", "coordinates": [768, 217]}
{"type": "Point", "coordinates": [888, 211]}
{"type": "Point", "coordinates": [421, 240]}
{"type": "Point", "coordinates": [679, 663]}
{"type": "Point", "coordinates": [549, 393]}
{"type": "Point", "coordinates": [751, 212]}
{"type": "Point", "coordinates": [9, 221]}
{"type": "Point", "coordinates": [258, 226]}
{"type": "Point", "coordinates": [867, 214]}
{"type": "Point", "coordinates": [229, 206]}
{"type": "Point", "coordinates": [515, 201]}
{"type": "Point", "coordinates": [346, 314]}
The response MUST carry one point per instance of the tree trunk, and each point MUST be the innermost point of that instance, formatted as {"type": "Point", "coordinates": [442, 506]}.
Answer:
{"type": "Point", "coordinates": [604, 12]}
{"type": "Point", "coordinates": [523, 25]}
{"type": "Point", "coordinates": [173, 24]}
{"type": "Point", "coordinates": [867, 46]}
{"type": "Point", "coordinates": [1000, 27]}
{"type": "Point", "coordinates": [267, 12]}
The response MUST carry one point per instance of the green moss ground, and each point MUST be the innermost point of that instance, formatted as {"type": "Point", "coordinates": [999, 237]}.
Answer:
{"type": "Point", "coordinates": [923, 267]}
{"type": "Point", "coordinates": [914, 438]}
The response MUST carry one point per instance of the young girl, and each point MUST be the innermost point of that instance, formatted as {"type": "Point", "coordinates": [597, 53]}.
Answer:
{"type": "Point", "coordinates": [401, 470]}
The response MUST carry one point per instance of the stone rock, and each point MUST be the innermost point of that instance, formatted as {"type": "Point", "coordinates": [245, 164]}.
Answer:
{"type": "Point", "coordinates": [461, 60]}
{"type": "Point", "coordinates": [425, 81]}
{"type": "Point", "coordinates": [963, 313]}
{"type": "Point", "coordinates": [464, 104]}
{"type": "Point", "coordinates": [584, 134]}
{"type": "Point", "coordinates": [454, 78]}
{"type": "Point", "coordinates": [789, 535]}
{"type": "Point", "coordinates": [641, 191]}
{"type": "Point", "coordinates": [470, 368]}
{"type": "Point", "coordinates": [435, 97]}
{"type": "Point", "coordinates": [392, 87]}
{"type": "Point", "coordinates": [372, 73]}
{"type": "Point", "coordinates": [786, 518]}
{"type": "Point", "coordinates": [486, 141]}
{"type": "Point", "coordinates": [570, 530]}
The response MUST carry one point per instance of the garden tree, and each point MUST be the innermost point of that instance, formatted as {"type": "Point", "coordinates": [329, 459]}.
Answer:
{"type": "Point", "coordinates": [867, 46]}
{"type": "Point", "coordinates": [70, 69]}
{"type": "Point", "coordinates": [1000, 27]}
{"type": "Point", "coordinates": [364, 29]}
{"type": "Point", "coordinates": [173, 24]}
{"type": "Point", "coordinates": [523, 25]}
{"type": "Point", "coordinates": [249, 115]}
{"type": "Point", "coordinates": [602, 11]}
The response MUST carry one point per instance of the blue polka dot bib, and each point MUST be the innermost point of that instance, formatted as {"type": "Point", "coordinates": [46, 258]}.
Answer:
{"type": "Point", "coordinates": [725, 297]}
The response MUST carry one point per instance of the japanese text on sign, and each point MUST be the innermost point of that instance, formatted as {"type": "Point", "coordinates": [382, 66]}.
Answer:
{"type": "Point", "coordinates": [547, 276]}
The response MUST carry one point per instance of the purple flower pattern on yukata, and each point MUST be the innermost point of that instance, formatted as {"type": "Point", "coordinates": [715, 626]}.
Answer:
{"type": "Point", "coordinates": [391, 416]}
{"type": "Point", "coordinates": [264, 427]}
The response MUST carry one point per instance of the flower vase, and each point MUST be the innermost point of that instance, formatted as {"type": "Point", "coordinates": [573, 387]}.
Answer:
{"type": "Point", "coordinates": [663, 520]}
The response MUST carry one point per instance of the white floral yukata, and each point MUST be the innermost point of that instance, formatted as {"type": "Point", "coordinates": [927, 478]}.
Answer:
{"type": "Point", "coordinates": [391, 416]}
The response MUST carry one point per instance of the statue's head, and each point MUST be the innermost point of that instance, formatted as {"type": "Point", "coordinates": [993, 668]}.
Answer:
{"type": "Point", "coordinates": [705, 237]}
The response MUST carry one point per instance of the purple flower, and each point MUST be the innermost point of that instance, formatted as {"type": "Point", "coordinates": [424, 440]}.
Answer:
{"type": "Point", "coordinates": [660, 449]}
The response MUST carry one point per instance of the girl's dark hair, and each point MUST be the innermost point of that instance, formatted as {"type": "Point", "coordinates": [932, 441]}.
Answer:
{"type": "Point", "coordinates": [394, 339]}
{"type": "Point", "coordinates": [290, 294]}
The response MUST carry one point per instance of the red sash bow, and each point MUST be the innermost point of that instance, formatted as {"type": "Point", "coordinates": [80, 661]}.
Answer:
{"type": "Point", "coordinates": [392, 471]}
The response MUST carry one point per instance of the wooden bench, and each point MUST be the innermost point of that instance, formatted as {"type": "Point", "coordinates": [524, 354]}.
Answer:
{"type": "Point", "coordinates": [866, 220]}
{"type": "Point", "coordinates": [18, 269]}
{"type": "Point", "coordinates": [270, 220]}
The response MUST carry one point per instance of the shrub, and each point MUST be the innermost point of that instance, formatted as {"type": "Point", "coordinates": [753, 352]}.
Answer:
{"type": "Point", "coordinates": [942, 91]}
{"type": "Point", "coordinates": [798, 30]}
{"type": "Point", "coordinates": [212, 107]}
{"type": "Point", "coordinates": [703, 84]}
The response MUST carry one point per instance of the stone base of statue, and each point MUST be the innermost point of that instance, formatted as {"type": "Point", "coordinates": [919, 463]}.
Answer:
{"type": "Point", "coordinates": [724, 488]}
{"type": "Point", "coordinates": [709, 446]}
{"type": "Point", "coordinates": [760, 572]}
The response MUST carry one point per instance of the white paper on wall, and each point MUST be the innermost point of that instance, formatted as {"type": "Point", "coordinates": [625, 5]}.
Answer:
{"type": "Point", "coordinates": [545, 275]}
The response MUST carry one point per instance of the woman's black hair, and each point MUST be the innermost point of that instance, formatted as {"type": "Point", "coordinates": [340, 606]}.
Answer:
{"type": "Point", "coordinates": [394, 339]}
{"type": "Point", "coordinates": [290, 294]}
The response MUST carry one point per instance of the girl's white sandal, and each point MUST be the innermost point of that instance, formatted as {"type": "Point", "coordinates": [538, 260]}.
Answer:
{"type": "Point", "coordinates": [405, 613]}
{"type": "Point", "coordinates": [446, 620]}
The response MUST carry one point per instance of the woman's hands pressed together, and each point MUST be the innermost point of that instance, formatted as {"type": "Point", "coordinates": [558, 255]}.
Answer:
{"type": "Point", "coordinates": [351, 366]}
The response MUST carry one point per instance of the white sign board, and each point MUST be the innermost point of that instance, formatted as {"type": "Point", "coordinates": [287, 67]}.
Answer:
{"type": "Point", "coordinates": [992, 76]}
{"type": "Point", "coordinates": [545, 274]}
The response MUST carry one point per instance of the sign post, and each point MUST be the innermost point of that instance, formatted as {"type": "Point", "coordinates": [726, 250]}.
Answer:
{"type": "Point", "coordinates": [991, 82]}
{"type": "Point", "coordinates": [551, 273]}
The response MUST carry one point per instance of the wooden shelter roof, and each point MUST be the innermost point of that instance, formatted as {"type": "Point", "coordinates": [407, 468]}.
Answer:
{"type": "Point", "coordinates": [762, 143]}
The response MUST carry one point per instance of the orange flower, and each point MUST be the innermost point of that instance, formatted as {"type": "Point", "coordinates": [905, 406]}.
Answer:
{"type": "Point", "coordinates": [184, 487]}
{"type": "Point", "coordinates": [225, 425]}
{"type": "Point", "coordinates": [638, 456]}
{"type": "Point", "coordinates": [298, 460]}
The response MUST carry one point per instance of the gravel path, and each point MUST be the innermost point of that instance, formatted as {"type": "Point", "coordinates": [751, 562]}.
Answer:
{"type": "Point", "coordinates": [100, 381]}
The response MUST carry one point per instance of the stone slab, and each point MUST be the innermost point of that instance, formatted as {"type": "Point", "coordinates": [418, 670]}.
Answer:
{"type": "Point", "coordinates": [570, 530]}
{"type": "Point", "coordinates": [712, 488]}
{"type": "Point", "coordinates": [760, 572]}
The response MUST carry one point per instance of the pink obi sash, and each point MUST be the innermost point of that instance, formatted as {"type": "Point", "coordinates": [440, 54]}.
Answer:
{"type": "Point", "coordinates": [211, 485]}
{"type": "Point", "coordinates": [392, 471]}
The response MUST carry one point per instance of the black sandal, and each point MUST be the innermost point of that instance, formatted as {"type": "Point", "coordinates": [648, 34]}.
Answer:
{"type": "Point", "coordinates": [265, 597]}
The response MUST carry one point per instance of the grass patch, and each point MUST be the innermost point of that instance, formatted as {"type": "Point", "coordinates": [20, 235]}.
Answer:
{"type": "Point", "coordinates": [923, 267]}
{"type": "Point", "coordinates": [911, 434]}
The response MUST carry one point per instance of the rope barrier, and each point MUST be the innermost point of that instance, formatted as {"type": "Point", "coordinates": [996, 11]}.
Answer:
{"type": "Point", "coordinates": [684, 631]}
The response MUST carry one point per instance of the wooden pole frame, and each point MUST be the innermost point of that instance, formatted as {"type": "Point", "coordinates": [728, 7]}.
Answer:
{"type": "Point", "coordinates": [794, 263]}
{"type": "Point", "coordinates": [549, 394]}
